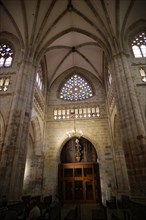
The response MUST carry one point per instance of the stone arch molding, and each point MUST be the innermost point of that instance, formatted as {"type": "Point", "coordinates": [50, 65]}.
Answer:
{"type": "Point", "coordinates": [83, 140]}
{"type": "Point", "coordinates": [98, 88]}
{"type": "Point", "coordinates": [37, 135]}
{"type": "Point", "coordinates": [65, 139]}
{"type": "Point", "coordinates": [81, 71]}
{"type": "Point", "coordinates": [34, 160]}
{"type": "Point", "coordinates": [135, 28]}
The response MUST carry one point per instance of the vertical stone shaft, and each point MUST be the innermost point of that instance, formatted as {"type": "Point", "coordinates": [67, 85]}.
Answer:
{"type": "Point", "coordinates": [20, 157]}
{"type": "Point", "coordinates": [15, 141]}
{"type": "Point", "coordinates": [132, 124]}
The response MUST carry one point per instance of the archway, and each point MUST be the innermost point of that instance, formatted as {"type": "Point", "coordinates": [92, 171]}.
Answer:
{"type": "Point", "coordinates": [79, 181]}
{"type": "Point", "coordinates": [33, 175]}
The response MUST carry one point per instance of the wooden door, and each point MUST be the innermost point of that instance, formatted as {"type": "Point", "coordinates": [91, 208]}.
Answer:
{"type": "Point", "coordinates": [79, 183]}
{"type": "Point", "coordinates": [68, 192]}
{"type": "Point", "coordinates": [89, 196]}
{"type": "Point", "coordinates": [78, 191]}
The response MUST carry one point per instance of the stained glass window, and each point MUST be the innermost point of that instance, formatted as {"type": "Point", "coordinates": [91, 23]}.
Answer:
{"type": "Point", "coordinates": [139, 45]}
{"type": "Point", "coordinates": [6, 55]}
{"type": "Point", "coordinates": [143, 74]}
{"type": "Point", "coordinates": [79, 113]}
{"type": "Point", "coordinates": [4, 83]}
{"type": "Point", "coordinates": [39, 79]}
{"type": "Point", "coordinates": [76, 88]}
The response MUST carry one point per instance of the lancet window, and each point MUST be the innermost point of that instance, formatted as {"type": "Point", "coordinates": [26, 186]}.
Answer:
{"type": "Point", "coordinates": [4, 83]}
{"type": "Point", "coordinates": [6, 55]}
{"type": "Point", "coordinates": [139, 45]}
{"type": "Point", "coordinates": [39, 79]}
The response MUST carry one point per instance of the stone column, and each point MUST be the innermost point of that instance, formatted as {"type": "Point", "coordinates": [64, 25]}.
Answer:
{"type": "Point", "coordinates": [15, 142]}
{"type": "Point", "coordinates": [132, 125]}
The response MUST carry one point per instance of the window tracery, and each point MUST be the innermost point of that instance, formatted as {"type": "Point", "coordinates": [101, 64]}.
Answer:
{"type": "Point", "coordinates": [139, 45]}
{"type": "Point", "coordinates": [78, 113]}
{"type": "Point", "coordinates": [39, 79]}
{"type": "Point", "coordinates": [76, 88]}
{"type": "Point", "coordinates": [6, 55]}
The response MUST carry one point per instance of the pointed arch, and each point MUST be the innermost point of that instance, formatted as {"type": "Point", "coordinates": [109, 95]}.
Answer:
{"type": "Point", "coordinates": [88, 151]}
{"type": "Point", "coordinates": [76, 88]}
{"type": "Point", "coordinates": [139, 45]}
{"type": "Point", "coordinates": [33, 176]}
{"type": "Point", "coordinates": [37, 135]}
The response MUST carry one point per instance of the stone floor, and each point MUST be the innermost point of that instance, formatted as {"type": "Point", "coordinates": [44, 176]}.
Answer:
{"type": "Point", "coordinates": [86, 210]}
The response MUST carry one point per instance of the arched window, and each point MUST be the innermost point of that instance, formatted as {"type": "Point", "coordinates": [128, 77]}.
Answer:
{"type": "Point", "coordinates": [39, 79]}
{"type": "Point", "coordinates": [139, 45]}
{"type": "Point", "coordinates": [142, 71]}
{"type": "Point", "coordinates": [6, 55]}
{"type": "Point", "coordinates": [143, 49]}
{"type": "Point", "coordinates": [4, 83]}
{"type": "Point", "coordinates": [109, 79]}
{"type": "Point", "coordinates": [76, 88]}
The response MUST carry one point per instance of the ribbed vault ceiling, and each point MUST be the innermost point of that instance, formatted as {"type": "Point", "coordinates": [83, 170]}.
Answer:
{"type": "Point", "coordinates": [70, 33]}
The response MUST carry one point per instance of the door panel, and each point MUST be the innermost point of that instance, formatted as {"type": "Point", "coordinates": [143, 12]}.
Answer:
{"type": "Point", "coordinates": [78, 190]}
{"type": "Point", "coordinates": [68, 191]}
{"type": "Point", "coordinates": [89, 196]}
{"type": "Point", "coordinates": [80, 183]}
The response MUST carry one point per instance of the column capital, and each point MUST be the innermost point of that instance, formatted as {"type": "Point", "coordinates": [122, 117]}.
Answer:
{"type": "Point", "coordinates": [119, 53]}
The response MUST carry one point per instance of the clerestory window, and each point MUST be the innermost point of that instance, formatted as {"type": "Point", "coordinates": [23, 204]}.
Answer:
{"type": "Point", "coordinates": [142, 71]}
{"type": "Point", "coordinates": [109, 77]}
{"type": "Point", "coordinates": [76, 88]}
{"type": "Point", "coordinates": [6, 55]}
{"type": "Point", "coordinates": [4, 83]}
{"type": "Point", "coordinates": [139, 45]}
{"type": "Point", "coordinates": [79, 113]}
{"type": "Point", "coordinates": [39, 79]}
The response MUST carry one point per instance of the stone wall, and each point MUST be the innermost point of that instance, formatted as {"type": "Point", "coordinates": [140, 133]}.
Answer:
{"type": "Point", "coordinates": [94, 130]}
